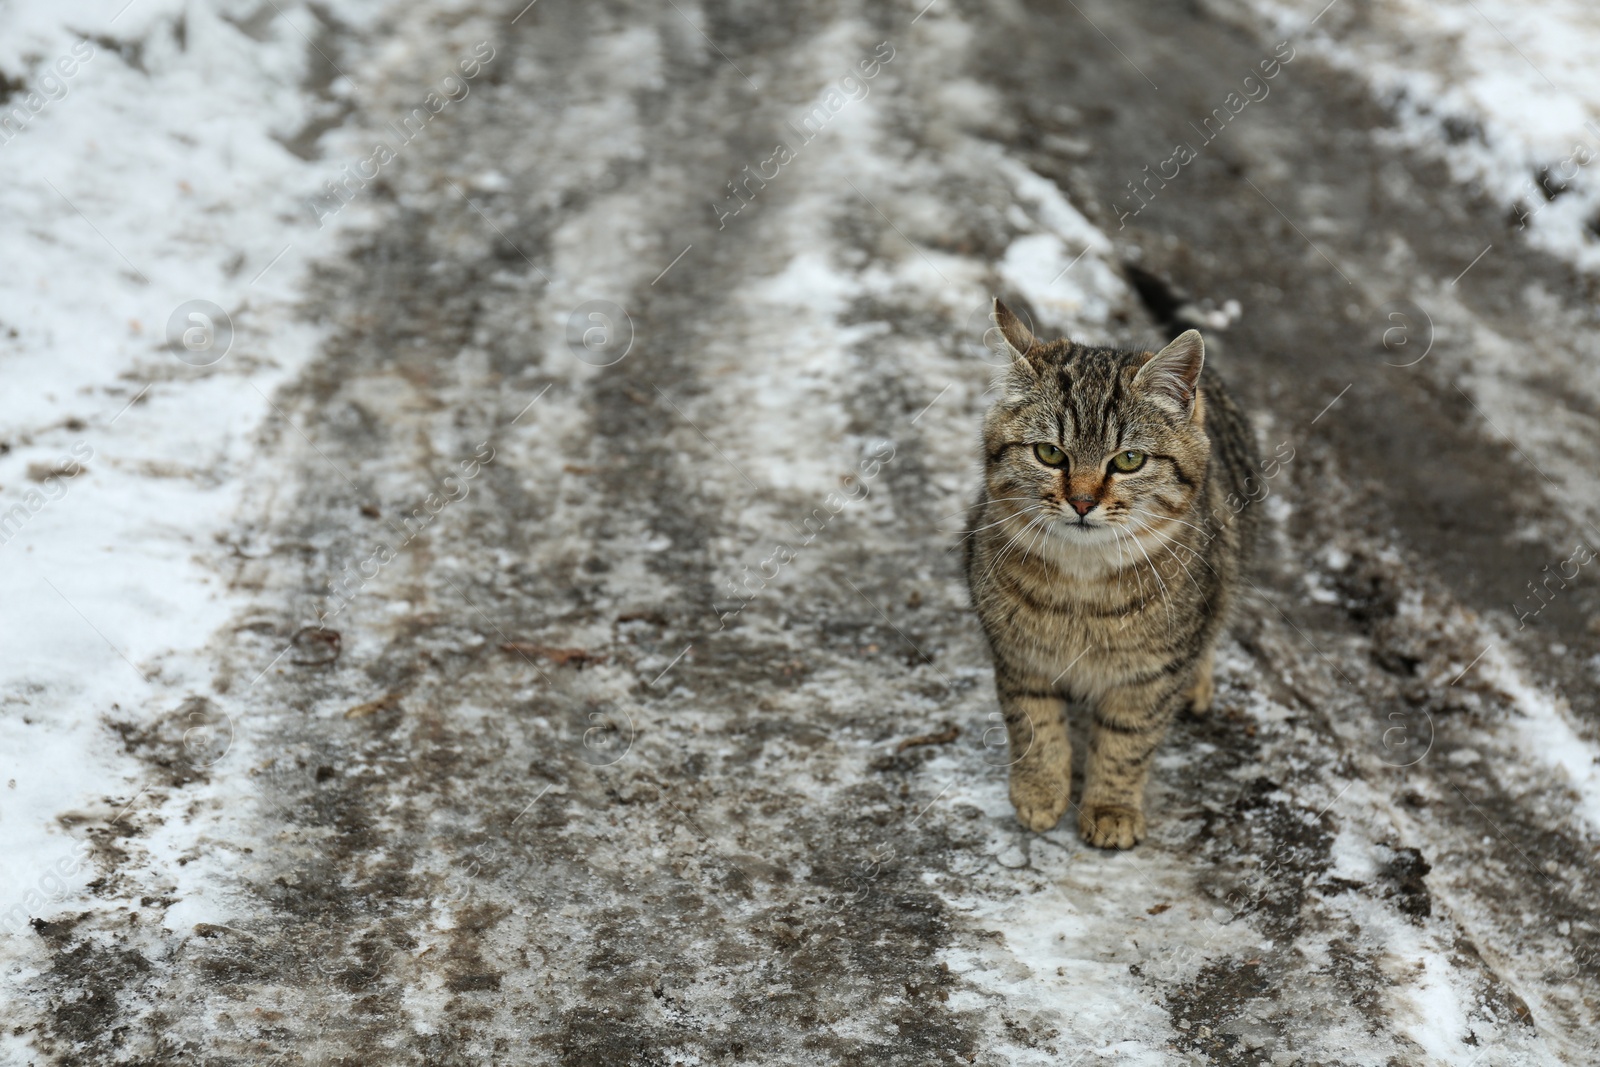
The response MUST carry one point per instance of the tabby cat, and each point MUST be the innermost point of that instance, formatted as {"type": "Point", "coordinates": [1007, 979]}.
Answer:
{"type": "Point", "coordinates": [1102, 555]}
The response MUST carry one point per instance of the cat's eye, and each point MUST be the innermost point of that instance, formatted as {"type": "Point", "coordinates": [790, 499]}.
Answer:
{"type": "Point", "coordinates": [1127, 462]}
{"type": "Point", "coordinates": [1049, 454]}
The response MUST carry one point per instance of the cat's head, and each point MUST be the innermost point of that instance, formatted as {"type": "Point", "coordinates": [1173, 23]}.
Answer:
{"type": "Point", "coordinates": [1088, 445]}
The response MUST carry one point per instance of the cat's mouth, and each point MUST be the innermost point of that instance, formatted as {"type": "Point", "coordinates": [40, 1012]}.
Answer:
{"type": "Point", "coordinates": [1074, 527]}
{"type": "Point", "coordinates": [1090, 520]}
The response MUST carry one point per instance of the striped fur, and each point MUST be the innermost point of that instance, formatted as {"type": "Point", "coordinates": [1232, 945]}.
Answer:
{"type": "Point", "coordinates": [1116, 610]}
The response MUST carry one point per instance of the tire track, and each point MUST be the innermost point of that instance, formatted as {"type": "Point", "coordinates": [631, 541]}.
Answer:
{"type": "Point", "coordinates": [1308, 151]}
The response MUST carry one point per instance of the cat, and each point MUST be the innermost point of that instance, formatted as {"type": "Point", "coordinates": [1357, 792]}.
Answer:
{"type": "Point", "coordinates": [1102, 556]}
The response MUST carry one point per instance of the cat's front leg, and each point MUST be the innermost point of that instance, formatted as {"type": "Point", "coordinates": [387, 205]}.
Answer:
{"type": "Point", "coordinates": [1041, 754]}
{"type": "Point", "coordinates": [1124, 733]}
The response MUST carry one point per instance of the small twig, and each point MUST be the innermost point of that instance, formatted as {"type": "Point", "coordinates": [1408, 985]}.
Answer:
{"type": "Point", "coordinates": [943, 737]}
{"type": "Point", "coordinates": [577, 657]}
{"type": "Point", "coordinates": [389, 700]}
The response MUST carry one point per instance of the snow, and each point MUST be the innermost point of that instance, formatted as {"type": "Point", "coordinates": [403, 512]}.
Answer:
{"type": "Point", "coordinates": [118, 607]}
{"type": "Point", "coordinates": [129, 196]}
{"type": "Point", "coordinates": [1499, 90]}
{"type": "Point", "coordinates": [1503, 93]}
{"type": "Point", "coordinates": [1066, 270]}
{"type": "Point", "coordinates": [1543, 728]}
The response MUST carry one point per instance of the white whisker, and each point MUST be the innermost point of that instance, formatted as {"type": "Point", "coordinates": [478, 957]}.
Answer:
{"type": "Point", "coordinates": [1171, 551]}
{"type": "Point", "coordinates": [994, 564]}
{"type": "Point", "coordinates": [1165, 518]}
{"type": "Point", "coordinates": [1166, 594]}
{"type": "Point", "coordinates": [984, 503]}
{"type": "Point", "coordinates": [1178, 544]}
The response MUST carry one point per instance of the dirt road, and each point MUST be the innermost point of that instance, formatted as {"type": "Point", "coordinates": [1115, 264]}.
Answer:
{"type": "Point", "coordinates": [632, 499]}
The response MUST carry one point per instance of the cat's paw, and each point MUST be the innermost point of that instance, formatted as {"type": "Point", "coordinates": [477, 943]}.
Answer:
{"type": "Point", "coordinates": [1039, 803]}
{"type": "Point", "coordinates": [1111, 825]}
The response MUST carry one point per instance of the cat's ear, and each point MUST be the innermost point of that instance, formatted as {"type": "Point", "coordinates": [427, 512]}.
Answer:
{"type": "Point", "coordinates": [1016, 335]}
{"type": "Point", "coordinates": [1172, 375]}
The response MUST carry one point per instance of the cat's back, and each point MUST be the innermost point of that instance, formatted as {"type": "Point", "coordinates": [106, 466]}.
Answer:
{"type": "Point", "coordinates": [1236, 479]}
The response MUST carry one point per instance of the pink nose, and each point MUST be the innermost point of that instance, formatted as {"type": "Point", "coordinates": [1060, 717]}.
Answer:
{"type": "Point", "coordinates": [1083, 504]}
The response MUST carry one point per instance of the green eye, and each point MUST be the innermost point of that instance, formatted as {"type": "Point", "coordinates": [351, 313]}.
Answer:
{"type": "Point", "coordinates": [1049, 454]}
{"type": "Point", "coordinates": [1127, 462]}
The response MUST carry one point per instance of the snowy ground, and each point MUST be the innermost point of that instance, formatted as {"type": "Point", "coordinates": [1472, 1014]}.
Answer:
{"type": "Point", "coordinates": [624, 485]}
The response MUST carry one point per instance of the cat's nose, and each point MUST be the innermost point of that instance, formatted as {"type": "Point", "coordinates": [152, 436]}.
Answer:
{"type": "Point", "coordinates": [1082, 504]}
